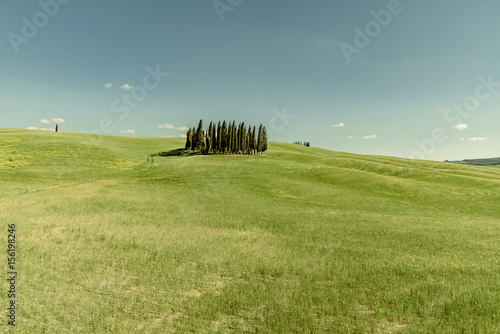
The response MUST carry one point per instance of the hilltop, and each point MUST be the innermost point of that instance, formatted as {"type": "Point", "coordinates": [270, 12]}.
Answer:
{"type": "Point", "coordinates": [299, 239]}
{"type": "Point", "coordinates": [495, 162]}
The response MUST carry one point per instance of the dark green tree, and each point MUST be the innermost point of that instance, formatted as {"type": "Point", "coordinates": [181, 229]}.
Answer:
{"type": "Point", "coordinates": [208, 143]}
{"type": "Point", "coordinates": [254, 141]}
{"type": "Point", "coordinates": [200, 142]}
{"type": "Point", "coordinates": [208, 138]}
{"type": "Point", "coordinates": [219, 131]}
{"type": "Point", "coordinates": [264, 139]}
{"type": "Point", "coordinates": [224, 138]}
{"type": "Point", "coordinates": [230, 137]}
{"type": "Point", "coordinates": [188, 140]}
{"type": "Point", "coordinates": [194, 139]}
{"type": "Point", "coordinates": [213, 139]}
{"type": "Point", "coordinates": [243, 138]}
{"type": "Point", "coordinates": [259, 140]}
{"type": "Point", "coordinates": [249, 140]}
{"type": "Point", "coordinates": [238, 135]}
{"type": "Point", "coordinates": [235, 139]}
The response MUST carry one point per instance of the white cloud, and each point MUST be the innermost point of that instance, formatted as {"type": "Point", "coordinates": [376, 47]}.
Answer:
{"type": "Point", "coordinates": [172, 127]}
{"type": "Point", "coordinates": [350, 137]}
{"type": "Point", "coordinates": [108, 85]}
{"type": "Point", "coordinates": [129, 132]}
{"type": "Point", "coordinates": [53, 120]}
{"type": "Point", "coordinates": [178, 136]}
{"type": "Point", "coordinates": [35, 128]}
{"type": "Point", "coordinates": [340, 125]}
{"type": "Point", "coordinates": [477, 139]}
{"type": "Point", "coordinates": [462, 138]}
{"type": "Point", "coordinates": [370, 137]}
{"type": "Point", "coordinates": [461, 127]}
{"type": "Point", "coordinates": [127, 87]}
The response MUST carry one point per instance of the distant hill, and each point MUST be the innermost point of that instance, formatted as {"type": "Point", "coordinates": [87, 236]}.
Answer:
{"type": "Point", "coordinates": [479, 162]}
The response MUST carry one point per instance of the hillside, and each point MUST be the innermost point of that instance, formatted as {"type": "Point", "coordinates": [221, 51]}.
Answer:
{"type": "Point", "coordinates": [298, 240]}
{"type": "Point", "coordinates": [494, 162]}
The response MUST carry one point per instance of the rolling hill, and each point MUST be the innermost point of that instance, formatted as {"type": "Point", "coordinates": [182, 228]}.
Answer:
{"type": "Point", "coordinates": [297, 240]}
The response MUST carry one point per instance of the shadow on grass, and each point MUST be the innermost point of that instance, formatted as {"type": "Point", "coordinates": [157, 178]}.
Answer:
{"type": "Point", "coordinates": [180, 152]}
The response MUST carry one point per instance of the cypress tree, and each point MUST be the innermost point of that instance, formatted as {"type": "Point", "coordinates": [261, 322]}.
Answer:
{"type": "Point", "coordinates": [208, 139]}
{"type": "Point", "coordinates": [200, 142]}
{"type": "Point", "coordinates": [230, 137]}
{"type": "Point", "coordinates": [259, 140]}
{"type": "Point", "coordinates": [57, 127]}
{"type": "Point", "coordinates": [238, 138]}
{"type": "Point", "coordinates": [213, 139]}
{"type": "Point", "coordinates": [254, 141]}
{"type": "Point", "coordinates": [243, 138]}
{"type": "Point", "coordinates": [264, 139]}
{"type": "Point", "coordinates": [223, 137]}
{"type": "Point", "coordinates": [208, 142]}
{"type": "Point", "coordinates": [194, 139]}
{"type": "Point", "coordinates": [219, 129]}
{"type": "Point", "coordinates": [234, 148]}
{"type": "Point", "coordinates": [249, 140]}
{"type": "Point", "coordinates": [188, 140]}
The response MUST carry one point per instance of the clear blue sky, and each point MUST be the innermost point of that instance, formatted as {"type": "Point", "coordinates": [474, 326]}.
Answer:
{"type": "Point", "coordinates": [383, 91]}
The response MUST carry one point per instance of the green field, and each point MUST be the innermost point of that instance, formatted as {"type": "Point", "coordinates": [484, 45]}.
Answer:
{"type": "Point", "coordinates": [298, 240]}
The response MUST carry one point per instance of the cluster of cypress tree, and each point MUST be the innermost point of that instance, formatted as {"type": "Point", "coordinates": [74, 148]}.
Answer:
{"type": "Point", "coordinates": [307, 144]}
{"type": "Point", "coordinates": [227, 138]}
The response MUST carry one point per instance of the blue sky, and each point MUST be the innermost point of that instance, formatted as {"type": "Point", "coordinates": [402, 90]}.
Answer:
{"type": "Point", "coordinates": [405, 78]}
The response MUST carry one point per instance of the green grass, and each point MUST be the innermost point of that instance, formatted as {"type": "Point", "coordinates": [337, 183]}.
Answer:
{"type": "Point", "coordinates": [298, 240]}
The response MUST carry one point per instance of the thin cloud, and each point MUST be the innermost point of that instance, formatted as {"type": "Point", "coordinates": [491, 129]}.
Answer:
{"type": "Point", "coordinates": [350, 137]}
{"type": "Point", "coordinates": [461, 127]}
{"type": "Point", "coordinates": [128, 132]}
{"type": "Point", "coordinates": [340, 125]}
{"type": "Point", "coordinates": [370, 137]}
{"type": "Point", "coordinates": [35, 128]}
{"type": "Point", "coordinates": [477, 139]}
{"type": "Point", "coordinates": [172, 127]}
{"type": "Point", "coordinates": [178, 136]}
{"type": "Point", "coordinates": [108, 85]}
{"type": "Point", "coordinates": [127, 87]}
{"type": "Point", "coordinates": [53, 120]}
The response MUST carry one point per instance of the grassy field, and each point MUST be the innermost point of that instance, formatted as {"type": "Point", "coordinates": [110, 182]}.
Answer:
{"type": "Point", "coordinates": [299, 240]}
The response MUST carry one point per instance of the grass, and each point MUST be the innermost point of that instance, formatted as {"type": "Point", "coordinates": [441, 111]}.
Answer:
{"type": "Point", "coordinates": [298, 240]}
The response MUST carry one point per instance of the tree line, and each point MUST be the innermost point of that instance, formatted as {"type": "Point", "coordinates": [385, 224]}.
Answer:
{"type": "Point", "coordinates": [307, 144]}
{"type": "Point", "coordinates": [227, 138]}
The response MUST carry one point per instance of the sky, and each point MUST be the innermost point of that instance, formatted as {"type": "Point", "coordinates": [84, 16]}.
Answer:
{"type": "Point", "coordinates": [412, 78]}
